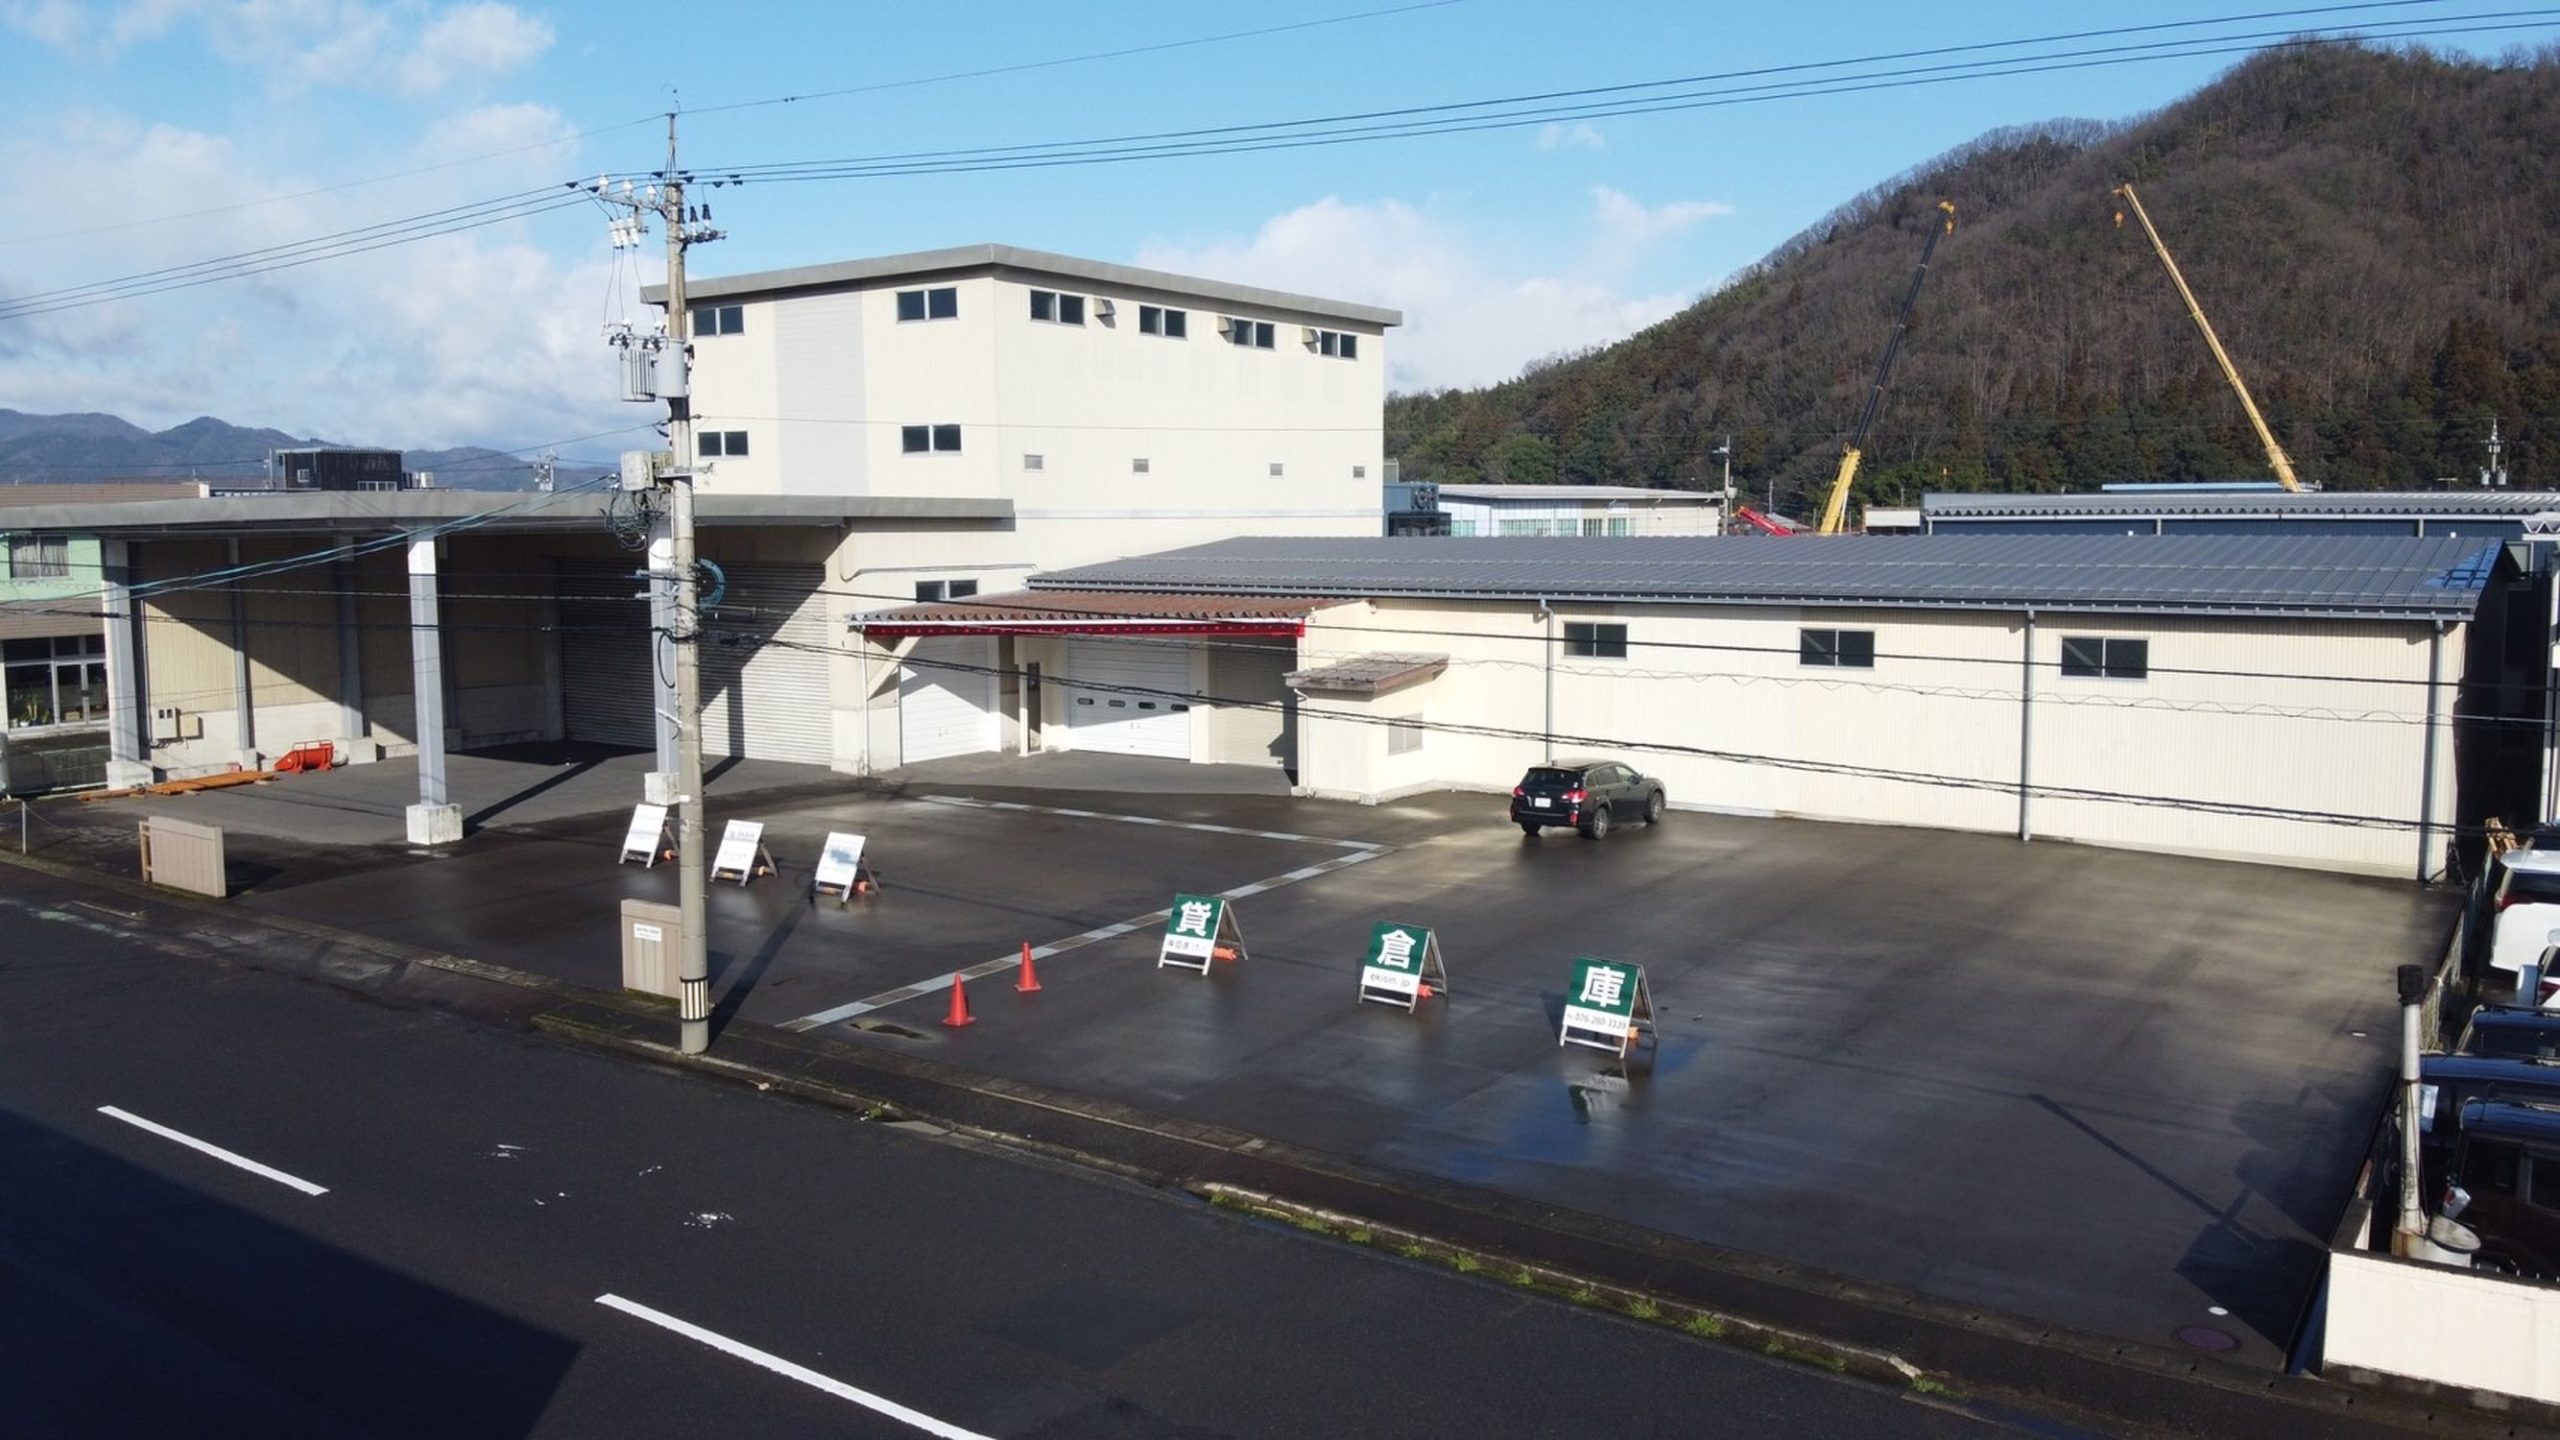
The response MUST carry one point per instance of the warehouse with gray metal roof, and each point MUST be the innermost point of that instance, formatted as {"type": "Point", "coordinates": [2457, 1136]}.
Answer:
{"type": "Point", "coordinates": [2335, 700]}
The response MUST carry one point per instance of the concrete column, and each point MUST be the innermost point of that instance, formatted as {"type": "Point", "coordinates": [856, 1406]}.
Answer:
{"type": "Point", "coordinates": [244, 705]}
{"type": "Point", "coordinates": [662, 624]}
{"type": "Point", "coordinates": [128, 697]}
{"type": "Point", "coordinates": [352, 728]}
{"type": "Point", "coordinates": [432, 821]}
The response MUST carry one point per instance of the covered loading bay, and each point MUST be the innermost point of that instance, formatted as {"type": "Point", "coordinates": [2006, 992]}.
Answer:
{"type": "Point", "coordinates": [1168, 677]}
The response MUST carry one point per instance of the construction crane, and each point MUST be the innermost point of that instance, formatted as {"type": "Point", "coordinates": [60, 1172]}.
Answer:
{"type": "Point", "coordinates": [1836, 509]}
{"type": "Point", "coordinates": [2276, 458]}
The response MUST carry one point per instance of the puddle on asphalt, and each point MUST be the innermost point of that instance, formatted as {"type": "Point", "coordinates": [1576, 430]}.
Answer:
{"type": "Point", "coordinates": [883, 1027]}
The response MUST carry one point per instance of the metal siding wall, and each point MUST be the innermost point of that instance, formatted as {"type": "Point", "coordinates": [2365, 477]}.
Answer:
{"type": "Point", "coordinates": [823, 445]}
{"type": "Point", "coordinates": [1953, 714]}
{"type": "Point", "coordinates": [765, 691]}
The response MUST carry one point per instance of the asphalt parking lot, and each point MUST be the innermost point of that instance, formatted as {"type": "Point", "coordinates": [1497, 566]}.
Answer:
{"type": "Point", "coordinates": [2119, 1092]}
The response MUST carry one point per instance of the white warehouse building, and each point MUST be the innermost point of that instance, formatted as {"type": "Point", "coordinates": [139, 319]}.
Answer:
{"type": "Point", "coordinates": [2299, 700]}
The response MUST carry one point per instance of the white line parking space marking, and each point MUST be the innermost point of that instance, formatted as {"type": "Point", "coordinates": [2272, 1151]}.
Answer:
{"type": "Point", "coordinates": [1203, 828]}
{"type": "Point", "coordinates": [784, 1368]}
{"type": "Point", "coordinates": [216, 1151]}
{"type": "Point", "coordinates": [1002, 963]}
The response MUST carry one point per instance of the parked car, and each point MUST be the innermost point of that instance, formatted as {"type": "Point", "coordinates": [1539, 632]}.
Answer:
{"type": "Point", "coordinates": [1589, 795]}
{"type": "Point", "coordinates": [2506, 1186]}
{"type": "Point", "coordinates": [2524, 913]}
{"type": "Point", "coordinates": [2512, 1031]}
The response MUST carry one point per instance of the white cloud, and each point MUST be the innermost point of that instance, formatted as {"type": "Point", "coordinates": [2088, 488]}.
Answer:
{"type": "Point", "coordinates": [421, 48]}
{"type": "Point", "coordinates": [498, 130]}
{"type": "Point", "coordinates": [482, 37]}
{"type": "Point", "coordinates": [483, 337]}
{"type": "Point", "coordinates": [1470, 319]}
{"type": "Point", "coordinates": [1580, 135]}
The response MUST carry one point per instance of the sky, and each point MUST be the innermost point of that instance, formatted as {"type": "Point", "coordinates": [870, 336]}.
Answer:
{"type": "Point", "coordinates": [139, 136]}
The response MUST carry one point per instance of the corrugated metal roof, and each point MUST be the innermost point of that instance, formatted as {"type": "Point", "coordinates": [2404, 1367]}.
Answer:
{"type": "Point", "coordinates": [2410, 504]}
{"type": "Point", "coordinates": [2334, 576]}
{"type": "Point", "coordinates": [1578, 492]}
{"type": "Point", "coordinates": [1375, 674]}
{"type": "Point", "coordinates": [1065, 612]}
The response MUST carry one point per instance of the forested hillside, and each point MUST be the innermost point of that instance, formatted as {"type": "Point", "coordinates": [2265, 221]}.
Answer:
{"type": "Point", "coordinates": [2370, 232]}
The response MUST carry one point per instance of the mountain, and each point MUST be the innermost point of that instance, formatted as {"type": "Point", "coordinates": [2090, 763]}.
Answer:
{"type": "Point", "coordinates": [2371, 232]}
{"type": "Point", "coordinates": [35, 449]}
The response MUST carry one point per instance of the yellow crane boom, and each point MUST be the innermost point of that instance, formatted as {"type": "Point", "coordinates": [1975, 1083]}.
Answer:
{"type": "Point", "coordinates": [2276, 458]}
{"type": "Point", "coordinates": [1835, 508]}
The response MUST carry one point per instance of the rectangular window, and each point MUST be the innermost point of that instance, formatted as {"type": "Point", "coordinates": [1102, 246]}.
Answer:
{"type": "Point", "coordinates": [1359, 472]}
{"type": "Point", "coordinates": [1057, 309]}
{"type": "Point", "coordinates": [1595, 641]}
{"type": "Point", "coordinates": [39, 557]}
{"type": "Point", "coordinates": [2106, 657]}
{"type": "Point", "coordinates": [946, 438]}
{"type": "Point", "coordinates": [940, 303]}
{"type": "Point", "coordinates": [1157, 320]}
{"type": "Point", "coordinates": [1275, 469]}
{"type": "Point", "coordinates": [716, 443]}
{"type": "Point", "coordinates": [1522, 527]}
{"type": "Point", "coordinates": [1841, 649]}
{"type": "Point", "coordinates": [719, 319]}
{"type": "Point", "coordinates": [1462, 527]}
{"type": "Point", "coordinates": [945, 589]}
{"type": "Point", "coordinates": [1252, 334]}
{"type": "Point", "coordinates": [1404, 736]}
{"type": "Point", "coordinates": [1035, 462]}
{"type": "Point", "coordinates": [1595, 526]}
{"type": "Point", "coordinates": [927, 439]}
{"type": "Point", "coordinates": [1336, 343]}
{"type": "Point", "coordinates": [1138, 467]}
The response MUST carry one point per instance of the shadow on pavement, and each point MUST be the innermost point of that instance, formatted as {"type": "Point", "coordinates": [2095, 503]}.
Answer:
{"type": "Point", "coordinates": [139, 1306]}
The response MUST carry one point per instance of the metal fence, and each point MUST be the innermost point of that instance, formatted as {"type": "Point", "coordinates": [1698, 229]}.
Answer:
{"type": "Point", "coordinates": [37, 770]}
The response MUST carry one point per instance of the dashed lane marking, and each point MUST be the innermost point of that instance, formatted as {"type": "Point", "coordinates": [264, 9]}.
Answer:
{"type": "Point", "coordinates": [217, 1152]}
{"type": "Point", "coordinates": [1002, 963]}
{"type": "Point", "coordinates": [1201, 826]}
{"type": "Point", "coordinates": [942, 1429]}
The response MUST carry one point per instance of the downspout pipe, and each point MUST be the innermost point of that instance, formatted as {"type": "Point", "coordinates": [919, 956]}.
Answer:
{"type": "Point", "coordinates": [2026, 727]}
{"type": "Point", "coordinates": [1547, 732]}
{"type": "Point", "coordinates": [2427, 765]}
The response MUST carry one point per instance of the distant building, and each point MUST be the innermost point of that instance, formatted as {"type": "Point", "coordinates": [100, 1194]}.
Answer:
{"type": "Point", "coordinates": [2217, 510]}
{"type": "Point", "coordinates": [1579, 510]}
{"type": "Point", "coordinates": [337, 467]}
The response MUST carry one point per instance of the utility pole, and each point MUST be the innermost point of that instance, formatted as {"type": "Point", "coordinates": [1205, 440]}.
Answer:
{"type": "Point", "coordinates": [693, 968]}
{"type": "Point", "coordinates": [670, 380]}
{"type": "Point", "coordinates": [1724, 512]}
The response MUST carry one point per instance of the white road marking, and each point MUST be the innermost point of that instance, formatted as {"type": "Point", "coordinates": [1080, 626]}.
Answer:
{"type": "Point", "coordinates": [1002, 963]}
{"type": "Point", "coordinates": [216, 1151]}
{"type": "Point", "coordinates": [1201, 826]}
{"type": "Point", "coordinates": [779, 1366]}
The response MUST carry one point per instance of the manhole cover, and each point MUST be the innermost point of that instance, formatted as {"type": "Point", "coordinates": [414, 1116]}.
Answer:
{"type": "Point", "coordinates": [2205, 1337]}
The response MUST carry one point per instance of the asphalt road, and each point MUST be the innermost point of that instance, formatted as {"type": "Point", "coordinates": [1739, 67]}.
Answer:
{"type": "Point", "coordinates": [482, 1191]}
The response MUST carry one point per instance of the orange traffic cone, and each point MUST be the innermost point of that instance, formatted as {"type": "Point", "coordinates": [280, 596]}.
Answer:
{"type": "Point", "coordinates": [1030, 978]}
{"type": "Point", "coordinates": [959, 1015]}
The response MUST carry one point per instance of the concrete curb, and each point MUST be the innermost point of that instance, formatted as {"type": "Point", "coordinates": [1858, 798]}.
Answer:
{"type": "Point", "coordinates": [1701, 1322]}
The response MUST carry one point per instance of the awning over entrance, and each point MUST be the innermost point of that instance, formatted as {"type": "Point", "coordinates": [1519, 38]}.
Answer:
{"type": "Point", "coordinates": [1097, 612]}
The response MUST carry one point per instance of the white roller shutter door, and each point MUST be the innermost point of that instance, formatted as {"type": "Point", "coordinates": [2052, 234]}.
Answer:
{"type": "Point", "coordinates": [1129, 697]}
{"type": "Point", "coordinates": [764, 666]}
{"type": "Point", "coordinates": [1255, 714]}
{"type": "Point", "coordinates": [947, 698]}
{"type": "Point", "coordinates": [605, 658]}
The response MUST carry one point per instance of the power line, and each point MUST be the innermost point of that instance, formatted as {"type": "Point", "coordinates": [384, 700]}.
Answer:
{"type": "Point", "coordinates": [1122, 53]}
{"type": "Point", "coordinates": [1411, 122]}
